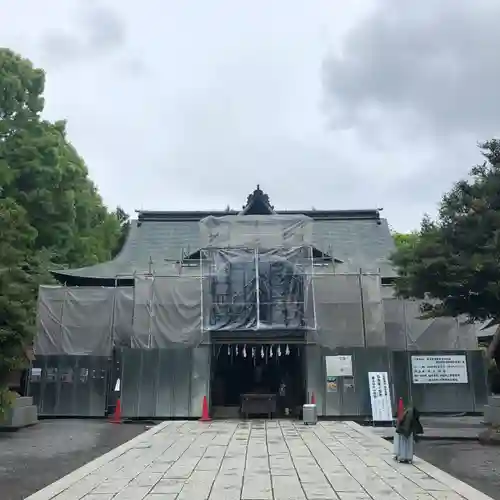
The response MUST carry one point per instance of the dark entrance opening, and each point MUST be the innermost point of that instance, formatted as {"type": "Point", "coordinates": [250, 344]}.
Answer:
{"type": "Point", "coordinates": [247, 373]}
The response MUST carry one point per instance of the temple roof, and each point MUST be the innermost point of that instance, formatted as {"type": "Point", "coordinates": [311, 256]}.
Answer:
{"type": "Point", "coordinates": [358, 239]}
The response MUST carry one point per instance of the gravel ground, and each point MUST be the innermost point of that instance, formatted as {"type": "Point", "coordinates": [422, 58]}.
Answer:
{"type": "Point", "coordinates": [453, 422]}
{"type": "Point", "coordinates": [32, 458]}
{"type": "Point", "coordinates": [468, 461]}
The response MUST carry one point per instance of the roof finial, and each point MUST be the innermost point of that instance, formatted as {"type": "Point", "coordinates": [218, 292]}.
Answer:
{"type": "Point", "coordinates": [258, 203]}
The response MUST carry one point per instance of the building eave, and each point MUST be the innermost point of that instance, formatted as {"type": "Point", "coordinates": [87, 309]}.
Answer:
{"type": "Point", "coordinates": [170, 216]}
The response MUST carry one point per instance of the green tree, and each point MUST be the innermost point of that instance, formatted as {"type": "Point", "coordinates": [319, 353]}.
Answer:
{"type": "Point", "coordinates": [16, 238]}
{"type": "Point", "coordinates": [51, 181]}
{"type": "Point", "coordinates": [124, 220]}
{"type": "Point", "coordinates": [43, 172]}
{"type": "Point", "coordinates": [51, 214]}
{"type": "Point", "coordinates": [453, 263]}
{"type": "Point", "coordinates": [22, 269]}
{"type": "Point", "coordinates": [404, 240]}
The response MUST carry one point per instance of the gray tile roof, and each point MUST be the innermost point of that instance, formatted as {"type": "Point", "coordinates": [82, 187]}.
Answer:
{"type": "Point", "coordinates": [359, 239]}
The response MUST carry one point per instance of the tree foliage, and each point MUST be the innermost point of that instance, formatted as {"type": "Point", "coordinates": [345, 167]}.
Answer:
{"type": "Point", "coordinates": [453, 261]}
{"type": "Point", "coordinates": [51, 214]}
{"type": "Point", "coordinates": [405, 240]}
{"type": "Point", "coordinates": [18, 283]}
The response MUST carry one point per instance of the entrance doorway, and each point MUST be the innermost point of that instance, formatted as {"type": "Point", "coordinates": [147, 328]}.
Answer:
{"type": "Point", "coordinates": [244, 373]}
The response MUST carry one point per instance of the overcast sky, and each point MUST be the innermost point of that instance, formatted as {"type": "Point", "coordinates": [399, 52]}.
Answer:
{"type": "Point", "coordinates": [326, 103]}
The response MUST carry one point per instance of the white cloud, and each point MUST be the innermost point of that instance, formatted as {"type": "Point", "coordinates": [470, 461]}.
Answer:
{"type": "Point", "coordinates": [184, 105]}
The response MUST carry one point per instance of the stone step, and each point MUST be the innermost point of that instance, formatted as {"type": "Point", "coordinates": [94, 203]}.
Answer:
{"type": "Point", "coordinates": [22, 402]}
{"type": "Point", "coordinates": [22, 414]}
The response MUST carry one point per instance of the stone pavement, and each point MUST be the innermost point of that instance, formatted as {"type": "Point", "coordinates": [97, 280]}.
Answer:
{"type": "Point", "coordinates": [256, 460]}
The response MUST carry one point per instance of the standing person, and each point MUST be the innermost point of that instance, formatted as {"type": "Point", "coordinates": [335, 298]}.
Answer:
{"type": "Point", "coordinates": [408, 429]}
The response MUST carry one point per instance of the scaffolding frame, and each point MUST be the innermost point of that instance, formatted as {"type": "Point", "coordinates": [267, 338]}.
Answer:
{"type": "Point", "coordinates": [316, 268]}
{"type": "Point", "coordinates": [252, 259]}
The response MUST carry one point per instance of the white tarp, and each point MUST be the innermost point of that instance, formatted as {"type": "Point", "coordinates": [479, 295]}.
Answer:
{"type": "Point", "coordinates": [245, 289]}
{"type": "Point", "coordinates": [348, 310]}
{"type": "Point", "coordinates": [406, 330]}
{"type": "Point", "coordinates": [256, 231]}
{"type": "Point", "coordinates": [74, 320]}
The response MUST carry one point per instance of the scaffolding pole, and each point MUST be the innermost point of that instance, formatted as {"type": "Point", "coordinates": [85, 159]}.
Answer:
{"type": "Point", "coordinates": [150, 308]}
{"type": "Point", "coordinates": [202, 324]}
{"type": "Point", "coordinates": [257, 288]}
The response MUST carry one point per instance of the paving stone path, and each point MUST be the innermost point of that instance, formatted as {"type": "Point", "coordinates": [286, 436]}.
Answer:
{"type": "Point", "coordinates": [256, 460]}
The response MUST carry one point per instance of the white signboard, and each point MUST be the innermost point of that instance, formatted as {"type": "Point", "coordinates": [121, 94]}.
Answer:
{"type": "Point", "coordinates": [442, 369]}
{"type": "Point", "coordinates": [339, 366]}
{"type": "Point", "coordinates": [380, 396]}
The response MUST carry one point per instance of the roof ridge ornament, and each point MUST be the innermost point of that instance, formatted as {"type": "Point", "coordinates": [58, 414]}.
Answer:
{"type": "Point", "coordinates": [258, 203]}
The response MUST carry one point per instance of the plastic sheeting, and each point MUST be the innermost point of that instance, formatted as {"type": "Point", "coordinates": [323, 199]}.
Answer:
{"type": "Point", "coordinates": [349, 310]}
{"type": "Point", "coordinates": [246, 289]}
{"type": "Point", "coordinates": [167, 311]}
{"type": "Point", "coordinates": [156, 312]}
{"type": "Point", "coordinates": [241, 290]}
{"type": "Point", "coordinates": [373, 310]}
{"type": "Point", "coordinates": [406, 330]}
{"type": "Point", "coordinates": [74, 321]}
{"type": "Point", "coordinates": [123, 316]}
{"type": "Point", "coordinates": [256, 231]}
{"type": "Point", "coordinates": [176, 314]}
{"type": "Point", "coordinates": [142, 312]}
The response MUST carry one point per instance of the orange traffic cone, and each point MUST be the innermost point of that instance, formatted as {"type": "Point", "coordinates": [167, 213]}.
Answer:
{"type": "Point", "coordinates": [117, 415]}
{"type": "Point", "coordinates": [313, 399]}
{"type": "Point", "coordinates": [205, 417]}
{"type": "Point", "coordinates": [401, 410]}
